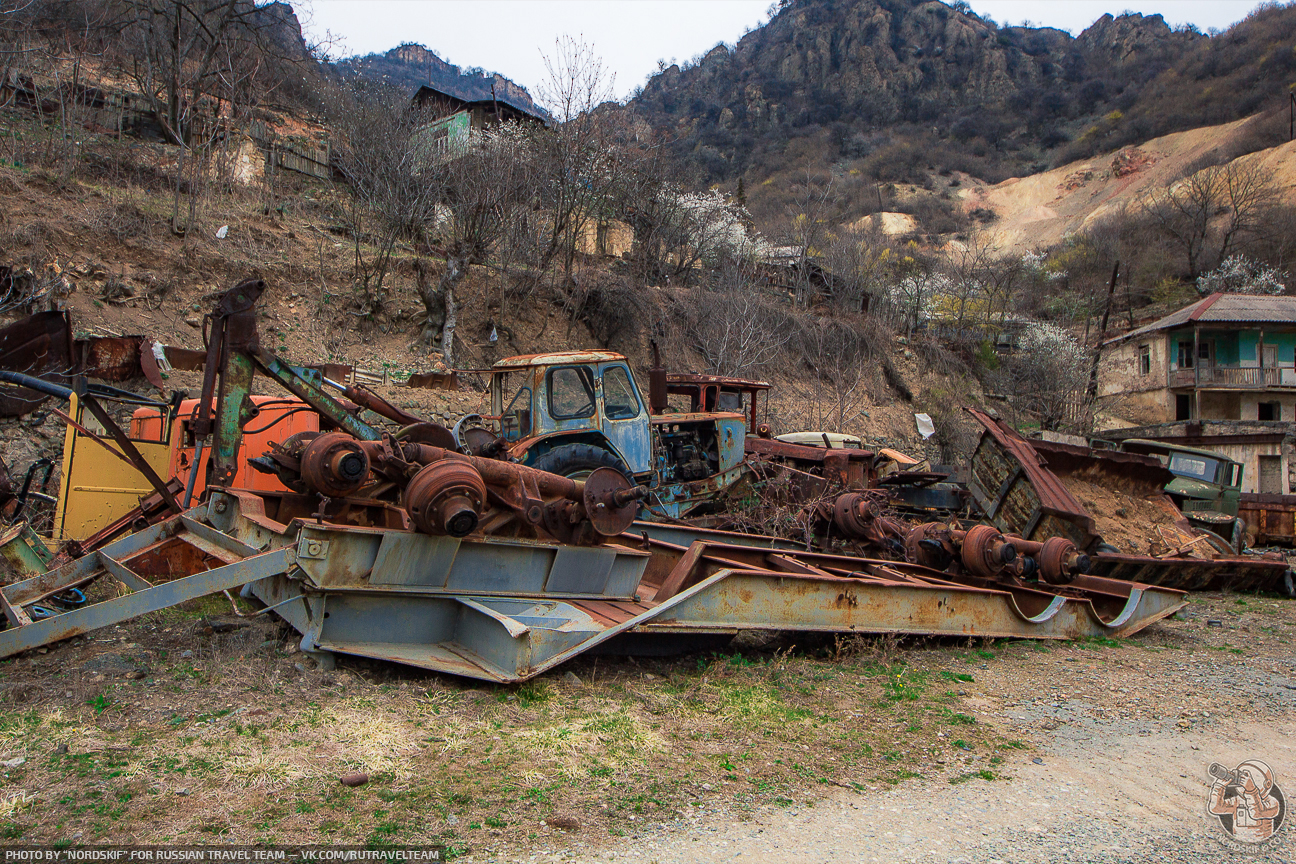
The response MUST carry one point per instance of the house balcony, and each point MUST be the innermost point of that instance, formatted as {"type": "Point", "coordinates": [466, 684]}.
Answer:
{"type": "Point", "coordinates": [1235, 377]}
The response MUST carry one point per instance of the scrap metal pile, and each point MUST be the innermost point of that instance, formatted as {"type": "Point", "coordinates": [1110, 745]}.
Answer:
{"type": "Point", "coordinates": [574, 516]}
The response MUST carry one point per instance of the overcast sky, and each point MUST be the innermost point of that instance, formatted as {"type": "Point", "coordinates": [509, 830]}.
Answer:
{"type": "Point", "coordinates": [510, 36]}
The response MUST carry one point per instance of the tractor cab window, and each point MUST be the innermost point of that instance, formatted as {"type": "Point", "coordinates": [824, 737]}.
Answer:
{"type": "Point", "coordinates": [515, 422]}
{"type": "Point", "coordinates": [619, 400]}
{"type": "Point", "coordinates": [571, 392]}
{"type": "Point", "coordinates": [730, 401]}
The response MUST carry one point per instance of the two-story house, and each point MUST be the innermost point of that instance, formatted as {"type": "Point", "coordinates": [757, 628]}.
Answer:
{"type": "Point", "coordinates": [453, 121]}
{"type": "Point", "coordinates": [1219, 374]}
{"type": "Point", "coordinates": [1225, 357]}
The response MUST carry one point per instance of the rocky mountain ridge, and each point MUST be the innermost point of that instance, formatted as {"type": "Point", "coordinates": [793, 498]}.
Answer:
{"type": "Point", "coordinates": [895, 89]}
{"type": "Point", "coordinates": [410, 66]}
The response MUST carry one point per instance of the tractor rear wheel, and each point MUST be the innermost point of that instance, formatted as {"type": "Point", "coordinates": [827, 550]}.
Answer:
{"type": "Point", "coordinates": [578, 461]}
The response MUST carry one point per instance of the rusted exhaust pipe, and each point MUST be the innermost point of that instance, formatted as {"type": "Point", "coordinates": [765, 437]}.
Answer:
{"type": "Point", "coordinates": [658, 399]}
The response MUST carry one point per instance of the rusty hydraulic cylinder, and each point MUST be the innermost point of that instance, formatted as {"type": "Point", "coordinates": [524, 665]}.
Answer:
{"type": "Point", "coordinates": [380, 406]}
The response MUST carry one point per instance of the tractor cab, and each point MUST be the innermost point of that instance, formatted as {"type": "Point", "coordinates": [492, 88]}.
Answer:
{"type": "Point", "coordinates": [717, 393]}
{"type": "Point", "coordinates": [586, 398]}
{"type": "Point", "coordinates": [573, 412]}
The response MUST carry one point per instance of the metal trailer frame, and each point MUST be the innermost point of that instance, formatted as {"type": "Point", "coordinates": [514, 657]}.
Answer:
{"type": "Point", "coordinates": [506, 610]}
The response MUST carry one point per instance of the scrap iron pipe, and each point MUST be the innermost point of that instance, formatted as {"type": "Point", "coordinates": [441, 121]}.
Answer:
{"type": "Point", "coordinates": [40, 385]}
{"type": "Point", "coordinates": [499, 473]}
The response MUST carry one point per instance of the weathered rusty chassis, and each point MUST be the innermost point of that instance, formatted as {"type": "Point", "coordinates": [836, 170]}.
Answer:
{"type": "Point", "coordinates": [506, 609]}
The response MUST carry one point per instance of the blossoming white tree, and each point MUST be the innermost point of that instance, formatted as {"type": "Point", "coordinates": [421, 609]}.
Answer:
{"type": "Point", "coordinates": [1238, 274]}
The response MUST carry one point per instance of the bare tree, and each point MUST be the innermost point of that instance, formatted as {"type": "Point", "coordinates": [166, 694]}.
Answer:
{"type": "Point", "coordinates": [382, 157]}
{"type": "Point", "coordinates": [861, 262]}
{"type": "Point", "coordinates": [809, 228]}
{"type": "Point", "coordinates": [734, 328]}
{"type": "Point", "coordinates": [838, 355]}
{"type": "Point", "coordinates": [1210, 213]}
{"type": "Point", "coordinates": [180, 53]}
{"type": "Point", "coordinates": [483, 190]}
{"type": "Point", "coordinates": [578, 161]}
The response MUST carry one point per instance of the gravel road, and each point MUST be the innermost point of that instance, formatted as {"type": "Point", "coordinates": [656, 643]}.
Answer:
{"type": "Point", "coordinates": [1120, 741]}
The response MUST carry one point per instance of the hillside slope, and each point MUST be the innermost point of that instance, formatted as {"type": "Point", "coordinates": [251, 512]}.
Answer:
{"type": "Point", "coordinates": [1038, 211]}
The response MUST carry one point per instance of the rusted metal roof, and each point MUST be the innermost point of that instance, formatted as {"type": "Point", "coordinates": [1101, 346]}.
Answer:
{"type": "Point", "coordinates": [684, 378]}
{"type": "Point", "coordinates": [1223, 309]}
{"type": "Point", "coordinates": [524, 360]}
{"type": "Point", "coordinates": [1054, 497]}
{"type": "Point", "coordinates": [687, 417]}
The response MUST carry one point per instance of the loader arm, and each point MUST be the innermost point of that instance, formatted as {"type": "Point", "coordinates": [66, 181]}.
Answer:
{"type": "Point", "coordinates": [234, 356]}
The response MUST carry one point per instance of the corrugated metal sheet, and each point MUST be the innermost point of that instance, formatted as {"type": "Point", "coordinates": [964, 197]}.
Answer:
{"type": "Point", "coordinates": [1053, 498]}
{"type": "Point", "coordinates": [1223, 308]}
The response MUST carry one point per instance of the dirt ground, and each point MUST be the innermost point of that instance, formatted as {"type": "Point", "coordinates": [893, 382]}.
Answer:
{"type": "Point", "coordinates": [1125, 521]}
{"type": "Point", "coordinates": [195, 726]}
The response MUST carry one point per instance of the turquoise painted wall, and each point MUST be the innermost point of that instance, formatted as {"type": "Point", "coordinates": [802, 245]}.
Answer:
{"type": "Point", "coordinates": [1234, 347]}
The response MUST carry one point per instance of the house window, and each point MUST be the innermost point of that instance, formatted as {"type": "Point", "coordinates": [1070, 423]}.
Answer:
{"type": "Point", "coordinates": [1269, 411]}
{"type": "Point", "coordinates": [1145, 360]}
{"type": "Point", "coordinates": [1185, 355]}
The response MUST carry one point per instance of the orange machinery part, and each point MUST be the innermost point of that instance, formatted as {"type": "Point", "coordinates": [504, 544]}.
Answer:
{"type": "Point", "coordinates": [266, 427]}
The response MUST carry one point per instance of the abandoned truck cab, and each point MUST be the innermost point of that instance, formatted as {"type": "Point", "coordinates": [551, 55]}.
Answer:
{"type": "Point", "coordinates": [1207, 485]}
{"type": "Point", "coordinates": [570, 413]}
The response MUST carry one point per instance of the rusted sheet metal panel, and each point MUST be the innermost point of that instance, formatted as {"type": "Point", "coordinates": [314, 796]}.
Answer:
{"type": "Point", "coordinates": [1018, 493]}
{"type": "Point", "coordinates": [186, 359]}
{"type": "Point", "coordinates": [731, 432]}
{"type": "Point", "coordinates": [1270, 517]}
{"type": "Point", "coordinates": [1136, 474]}
{"type": "Point", "coordinates": [784, 450]}
{"type": "Point", "coordinates": [433, 380]}
{"type": "Point", "coordinates": [39, 345]}
{"type": "Point", "coordinates": [111, 358]}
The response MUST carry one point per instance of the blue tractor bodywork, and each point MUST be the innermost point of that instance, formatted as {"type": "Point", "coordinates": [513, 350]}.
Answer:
{"type": "Point", "coordinates": [546, 401]}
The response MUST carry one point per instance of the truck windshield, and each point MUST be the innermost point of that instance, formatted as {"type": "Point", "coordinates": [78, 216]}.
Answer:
{"type": "Point", "coordinates": [1194, 466]}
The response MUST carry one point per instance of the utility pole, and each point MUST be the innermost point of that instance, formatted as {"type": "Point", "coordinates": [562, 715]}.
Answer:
{"type": "Point", "coordinates": [1102, 332]}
